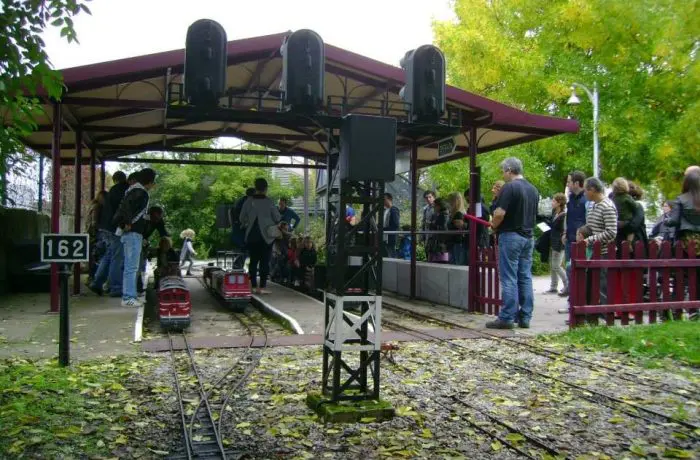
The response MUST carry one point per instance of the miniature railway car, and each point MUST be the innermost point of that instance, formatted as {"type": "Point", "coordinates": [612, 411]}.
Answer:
{"type": "Point", "coordinates": [174, 304]}
{"type": "Point", "coordinates": [230, 285]}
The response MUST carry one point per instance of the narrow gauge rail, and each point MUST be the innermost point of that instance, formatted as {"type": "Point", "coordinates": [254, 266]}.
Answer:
{"type": "Point", "coordinates": [252, 365]}
{"type": "Point", "coordinates": [536, 444]}
{"type": "Point", "coordinates": [224, 386]}
{"type": "Point", "coordinates": [204, 441]}
{"type": "Point", "coordinates": [555, 355]}
{"type": "Point", "coordinates": [591, 395]}
{"type": "Point", "coordinates": [202, 424]}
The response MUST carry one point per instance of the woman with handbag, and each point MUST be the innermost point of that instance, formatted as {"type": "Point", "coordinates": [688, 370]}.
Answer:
{"type": "Point", "coordinates": [260, 218]}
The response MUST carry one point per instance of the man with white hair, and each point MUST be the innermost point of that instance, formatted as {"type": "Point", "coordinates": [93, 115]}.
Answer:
{"type": "Point", "coordinates": [693, 168]}
{"type": "Point", "coordinates": [514, 219]}
{"type": "Point", "coordinates": [602, 220]}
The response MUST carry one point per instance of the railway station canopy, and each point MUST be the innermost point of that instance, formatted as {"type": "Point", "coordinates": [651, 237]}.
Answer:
{"type": "Point", "coordinates": [123, 107]}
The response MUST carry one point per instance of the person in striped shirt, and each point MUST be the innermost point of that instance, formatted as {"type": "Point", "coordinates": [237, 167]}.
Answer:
{"type": "Point", "coordinates": [602, 220]}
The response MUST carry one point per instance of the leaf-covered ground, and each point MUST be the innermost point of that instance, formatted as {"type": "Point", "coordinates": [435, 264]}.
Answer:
{"type": "Point", "coordinates": [106, 408]}
{"type": "Point", "coordinates": [119, 408]}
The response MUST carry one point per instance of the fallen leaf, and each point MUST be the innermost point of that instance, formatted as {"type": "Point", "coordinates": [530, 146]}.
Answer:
{"type": "Point", "coordinates": [515, 437]}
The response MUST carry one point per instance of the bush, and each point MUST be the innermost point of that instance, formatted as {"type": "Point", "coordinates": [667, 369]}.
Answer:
{"type": "Point", "coordinates": [538, 267]}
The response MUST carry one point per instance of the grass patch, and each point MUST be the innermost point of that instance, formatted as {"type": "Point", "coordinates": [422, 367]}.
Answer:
{"type": "Point", "coordinates": [678, 340]}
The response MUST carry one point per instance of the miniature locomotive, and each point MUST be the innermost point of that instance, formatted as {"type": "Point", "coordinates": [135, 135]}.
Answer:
{"type": "Point", "coordinates": [231, 284]}
{"type": "Point", "coordinates": [174, 304]}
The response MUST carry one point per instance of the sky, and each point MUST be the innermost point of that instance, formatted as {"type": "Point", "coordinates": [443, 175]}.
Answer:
{"type": "Point", "coordinates": [380, 29]}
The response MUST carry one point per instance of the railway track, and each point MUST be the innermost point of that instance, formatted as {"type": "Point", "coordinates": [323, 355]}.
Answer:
{"type": "Point", "coordinates": [200, 436]}
{"type": "Point", "coordinates": [649, 416]}
{"type": "Point", "coordinates": [202, 432]}
{"type": "Point", "coordinates": [688, 393]}
{"type": "Point", "coordinates": [499, 430]}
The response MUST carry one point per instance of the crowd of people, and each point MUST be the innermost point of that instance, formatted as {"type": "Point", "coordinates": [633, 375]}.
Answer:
{"type": "Point", "coordinates": [444, 228]}
{"type": "Point", "coordinates": [265, 233]}
{"type": "Point", "coordinates": [120, 222]}
{"type": "Point", "coordinates": [589, 215]}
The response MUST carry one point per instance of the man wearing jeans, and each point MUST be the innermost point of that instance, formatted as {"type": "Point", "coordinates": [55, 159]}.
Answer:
{"type": "Point", "coordinates": [514, 219]}
{"type": "Point", "coordinates": [131, 223]}
{"type": "Point", "coordinates": [110, 267]}
{"type": "Point", "coordinates": [576, 209]}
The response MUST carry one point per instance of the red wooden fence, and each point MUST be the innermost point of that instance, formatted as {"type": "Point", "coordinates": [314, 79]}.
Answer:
{"type": "Point", "coordinates": [488, 289]}
{"type": "Point", "coordinates": [660, 282]}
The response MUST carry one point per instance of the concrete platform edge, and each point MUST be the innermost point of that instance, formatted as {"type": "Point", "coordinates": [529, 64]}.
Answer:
{"type": "Point", "coordinates": [269, 309]}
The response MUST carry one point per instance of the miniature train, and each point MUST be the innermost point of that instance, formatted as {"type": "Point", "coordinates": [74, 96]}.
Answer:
{"type": "Point", "coordinates": [229, 282]}
{"type": "Point", "coordinates": [174, 303]}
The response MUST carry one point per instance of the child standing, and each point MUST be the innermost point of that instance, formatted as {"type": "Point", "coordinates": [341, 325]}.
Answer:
{"type": "Point", "coordinates": [307, 262]}
{"type": "Point", "coordinates": [187, 253]}
{"type": "Point", "coordinates": [405, 244]}
{"type": "Point", "coordinates": [292, 259]}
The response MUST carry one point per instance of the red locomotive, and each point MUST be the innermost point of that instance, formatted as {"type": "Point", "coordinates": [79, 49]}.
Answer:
{"type": "Point", "coordinates": [174, 304]}
{"type": "Point", "coordinates": [230, 284]}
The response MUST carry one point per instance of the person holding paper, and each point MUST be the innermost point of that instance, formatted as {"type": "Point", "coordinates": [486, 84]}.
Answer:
{"type": "Point", "coordinates": [557, 256]}
{"type": "Point", "coordinates": [514, 219]}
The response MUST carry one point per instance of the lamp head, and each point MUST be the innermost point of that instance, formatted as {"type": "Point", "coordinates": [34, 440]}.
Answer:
{"type": "Point", "coordinates": [573, 99]}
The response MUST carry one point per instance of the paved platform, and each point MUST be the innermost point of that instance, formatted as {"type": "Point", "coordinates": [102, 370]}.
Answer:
{"type": "Point", "coordinates": [307, 312]}
{"type": "Point", "coordinates": [545, 318]}
{"type": "Point", "coordinates": [100, 326]}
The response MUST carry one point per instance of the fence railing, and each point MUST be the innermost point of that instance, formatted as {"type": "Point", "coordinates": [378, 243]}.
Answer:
{"type": "Point", "coordinates": [487, 299]}
{"type": "Point", "coordinates": [651, 283]}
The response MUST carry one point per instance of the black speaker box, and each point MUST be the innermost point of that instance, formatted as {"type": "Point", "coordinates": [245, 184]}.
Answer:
{"type": "Point", "coordinates": [367, 148]}
{"type": "Point", "coordinates": [303, 71]}
{"type": "Point", "coordinates": [205, 63]}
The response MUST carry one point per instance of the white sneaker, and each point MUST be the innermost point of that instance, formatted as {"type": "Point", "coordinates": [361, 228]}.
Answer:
{"type": "Point", "coordinates": [131, 303]}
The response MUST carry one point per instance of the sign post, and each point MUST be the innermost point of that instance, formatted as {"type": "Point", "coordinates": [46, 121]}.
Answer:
{"type": "Point", "coordinates": [64, 250]}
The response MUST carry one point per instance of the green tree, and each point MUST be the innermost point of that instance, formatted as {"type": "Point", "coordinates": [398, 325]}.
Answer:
{"type": "Point", "coordinates": [643, 57]}
{"type": "Point", "coordinates": [190, 194]}
{"type": "Point", "coordinates": [25, 71]}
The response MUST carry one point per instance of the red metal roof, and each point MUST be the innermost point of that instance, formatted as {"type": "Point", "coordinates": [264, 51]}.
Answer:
{"type": "Point", "coordinates": [120, 104]}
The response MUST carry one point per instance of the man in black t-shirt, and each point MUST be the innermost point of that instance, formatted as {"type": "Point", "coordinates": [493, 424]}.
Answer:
{"type": "Point", "coordinates": [514, 219]}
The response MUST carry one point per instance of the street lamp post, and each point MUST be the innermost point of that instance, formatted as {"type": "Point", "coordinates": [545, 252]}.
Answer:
{"type": "Point", "coordinates": [593, 97]}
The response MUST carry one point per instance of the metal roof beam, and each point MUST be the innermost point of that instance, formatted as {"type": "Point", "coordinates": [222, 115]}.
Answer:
{"type": "Point", "coordinates": [190, 132]}
{"type": "Point", "coordinates": [173, 149]}
{"type": "Point", "coordinates": [113, 115]}
{"type": "Point", "coordinates": [253, 164]}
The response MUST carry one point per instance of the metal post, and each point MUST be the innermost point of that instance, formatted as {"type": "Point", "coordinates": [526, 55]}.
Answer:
{"type": "Point", "coordinates": [102, 175]}
{"type": "Point", "coordinates": [40, 201]}
{"type": "Point", "coordinates": [64, 319]}
{"type": "Point", "coordinates": [414, 216]}
{"type": "Point", "coordinates": [472, 287]}
{"type": "Point", "coordinates": [55, 196]}
{"type": "Point", "coordinates": [593, 97]}
{"type": "Point", "coordinates": [78, 202]}
{"type": "Point", "coordinates": [594, 100]}
{"type": "Point", "coordinates": [93, 157]}
{"type": "Point", "coordinates": [306, 196]}
{"type": "Point", "coordinates": [3, 179]}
